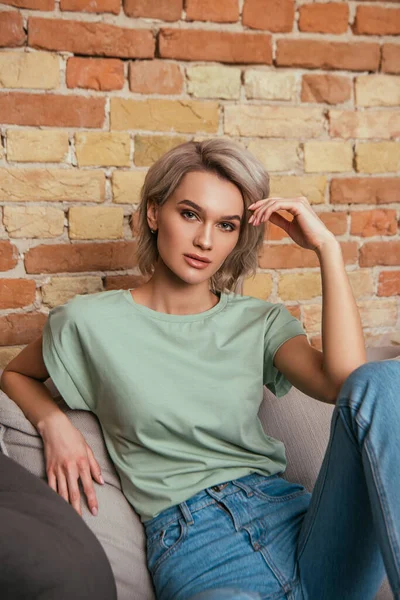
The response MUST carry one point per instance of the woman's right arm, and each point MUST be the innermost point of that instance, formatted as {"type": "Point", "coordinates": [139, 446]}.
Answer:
{"type": "Point", "coordinates": [67, 455]}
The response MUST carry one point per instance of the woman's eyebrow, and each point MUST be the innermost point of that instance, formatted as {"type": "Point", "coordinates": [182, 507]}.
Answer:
{"type": "Point", "coordinates": [197, 207]}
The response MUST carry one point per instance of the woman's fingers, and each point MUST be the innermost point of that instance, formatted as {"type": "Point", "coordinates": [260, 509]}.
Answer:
{"type": "Point", "coordinates": [73, 488]}
{"type": "Point", "coordinates": [52, 480]}
{"type": "Point", "coordinates": [88, 487]}
{"type": "Point", "coordinates": [62, 488]}
{"type": "Point", "coordinates": [94, 466]}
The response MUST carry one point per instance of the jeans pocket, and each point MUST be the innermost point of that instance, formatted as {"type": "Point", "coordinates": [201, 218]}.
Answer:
{"type": "Point", "coordinates": [165, 542]}
{"type": "Point", "coordinates": [277, 489]}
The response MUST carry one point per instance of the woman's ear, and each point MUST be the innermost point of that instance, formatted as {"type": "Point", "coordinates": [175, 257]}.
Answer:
{"type": "Point", "coordinates": [152, 213]}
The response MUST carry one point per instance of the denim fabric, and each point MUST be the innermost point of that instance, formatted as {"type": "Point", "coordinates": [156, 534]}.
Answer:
{"type": "Point", "coordinates": [262, 537]}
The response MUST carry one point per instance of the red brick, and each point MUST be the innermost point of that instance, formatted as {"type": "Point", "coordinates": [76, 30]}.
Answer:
{"type": "Point", "coordinates": [223, 11]}
{"type": "Point", "coordinates": [318, 54]}
{"type": "Point", "coordinates": [272, 15]}
{"type": "Point", "coordinates": [329, 89]}
{"type": "Point", "coordinates": [32, 4]}
{"type": "Point", "coordinates": [124, 282]}
{"type": "Point", "coordinates": [329, 17]}
{"type": "Point", "coordinates": [8, 256]}
{"type": "Point", "coordinates": [290, 256]}
{"type": "Point", "coordinates": [17, 293]}
{"type": "Point", "coordinates": [11, 29]}
{"type": "Point", "coordinates": [21, 328]}
{"type": "Point", "coordinates": [92, 6]}
{"type": "Point", "coordinates": [364, 190]}
{"type": "Point", "coordinates": [336, 222]}
{"type": "Point", "coordinates": [376, 20]}
{"type": "Point", "coordinates": [222, 46]}
{"type": "Point", "coordinates": [167, 10]}
{"type": "Point", "coordinates": [389, 283]}
{"type": "Point", "coordinates": [294, 310]}
{"type": "Point", "coordinates": [95, 73]}
{"type": "Point", "coordinates": [97, 39]}
{"type": "Point", "coordinates": [367, 223]}
{"type": "Point", "coordinates": [391, 58]}
{"type": "Point", "coordinates": [78, 258]}
{"type": "Point", "coordinates": [380, 253]}
{"type": "Point", "coordinates": [18, 108]}
{"type": "Point", "coordinates": [155, 77]}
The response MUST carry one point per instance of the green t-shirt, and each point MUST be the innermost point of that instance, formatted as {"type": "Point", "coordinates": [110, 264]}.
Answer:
{"type": "Point", "coordinates": [177, 396]}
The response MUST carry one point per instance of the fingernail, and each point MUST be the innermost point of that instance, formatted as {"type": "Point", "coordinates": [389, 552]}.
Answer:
{"type": "Point", "coordinates": [101, 480]}
{"type": "Point", "coordinates": [94, 511]}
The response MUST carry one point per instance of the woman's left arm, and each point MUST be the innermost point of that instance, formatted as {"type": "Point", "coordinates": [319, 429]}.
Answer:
{"type": "Point", "coordinates": [320, 375]}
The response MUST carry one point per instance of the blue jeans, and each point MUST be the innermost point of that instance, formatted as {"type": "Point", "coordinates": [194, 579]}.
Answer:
{"type": "Point", "coordinates": [262, 537]}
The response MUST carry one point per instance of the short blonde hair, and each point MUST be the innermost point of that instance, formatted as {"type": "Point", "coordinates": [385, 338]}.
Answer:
{"type": "Point", "coordinates": [228, 160]}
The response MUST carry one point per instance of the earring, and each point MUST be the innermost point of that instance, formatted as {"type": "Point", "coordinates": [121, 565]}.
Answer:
{"type": "Point", "coordinates": [152, 230]}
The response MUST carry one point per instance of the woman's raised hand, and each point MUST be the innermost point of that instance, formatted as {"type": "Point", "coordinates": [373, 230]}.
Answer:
{"type": "Point", "coordinates": [306, 228]}
{"type": "Point", "coordinates": [68, 459]}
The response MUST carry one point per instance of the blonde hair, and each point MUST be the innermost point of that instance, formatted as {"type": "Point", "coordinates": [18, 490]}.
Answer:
{"type": "Point", "coordinates": [228, 160]}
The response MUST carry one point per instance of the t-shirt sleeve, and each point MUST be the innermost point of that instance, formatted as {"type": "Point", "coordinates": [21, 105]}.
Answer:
{"type": "Point", "coordinates": [280, 326]}
{"type": "Point", "coordinates": [65, 357]}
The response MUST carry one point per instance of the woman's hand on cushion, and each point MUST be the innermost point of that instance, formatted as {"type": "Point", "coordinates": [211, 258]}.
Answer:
{"type": "Point", "coordinates": [68, 459]}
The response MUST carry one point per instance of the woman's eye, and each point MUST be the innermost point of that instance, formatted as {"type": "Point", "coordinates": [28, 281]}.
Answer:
{"type": "Point", "coordinates": [189, 212]}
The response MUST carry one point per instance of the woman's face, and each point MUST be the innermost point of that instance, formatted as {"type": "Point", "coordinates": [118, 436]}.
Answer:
{"type": "Point", "coordinates": [209, 229]}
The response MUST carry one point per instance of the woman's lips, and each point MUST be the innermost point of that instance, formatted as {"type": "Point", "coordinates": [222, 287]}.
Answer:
{"type": "Point", "coordinates": [197, 264]}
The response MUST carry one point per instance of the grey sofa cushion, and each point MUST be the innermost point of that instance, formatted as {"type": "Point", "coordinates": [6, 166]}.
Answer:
{"type": "Point", "coordinates": [302, 423]}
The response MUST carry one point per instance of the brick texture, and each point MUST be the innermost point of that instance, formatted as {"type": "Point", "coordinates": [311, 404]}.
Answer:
{"type": "Point", "coordinates": [94, 92]}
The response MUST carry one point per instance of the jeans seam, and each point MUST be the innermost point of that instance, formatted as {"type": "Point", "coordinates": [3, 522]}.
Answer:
{"type": "Point", "coordinates": [382, 500]}
{"type": "Point", "coordinates": [300, 553]}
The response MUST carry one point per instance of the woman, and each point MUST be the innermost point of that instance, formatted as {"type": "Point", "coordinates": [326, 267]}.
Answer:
{"type": "Point", "coordinates": [174, 370]}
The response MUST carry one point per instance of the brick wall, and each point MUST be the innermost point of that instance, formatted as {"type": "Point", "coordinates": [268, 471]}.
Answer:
{"type": "Point", "coordinates": [92, 92]}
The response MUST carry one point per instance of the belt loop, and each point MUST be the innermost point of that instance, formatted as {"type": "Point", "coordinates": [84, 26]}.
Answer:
{"type": "Point", "coordinates": [186, 513]}
{"type": "Point", "coordinates": [247, 489]}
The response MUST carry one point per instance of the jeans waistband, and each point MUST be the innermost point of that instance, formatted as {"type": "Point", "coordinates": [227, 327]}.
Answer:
{"type": "Point", "coordinates": [201, 499]}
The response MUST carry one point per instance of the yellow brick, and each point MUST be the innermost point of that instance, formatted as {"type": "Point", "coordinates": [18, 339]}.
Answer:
{"type": "Point", "coordinates": [273, 121]}
{"type": "Point", "coordinates": [377, 90]}
{"type": "Point", "coordinates": [311, 186]}
{"type": "Point", "coordinates": [37, 145]}
{"type": "Point", "coordinates": [7, 353]}
{"type": "Point", "coordinates": [267, 85]}
{"type": "Point", "coordinates": [102, 148]}
{"type": "Point", "coordinates": [299, 286]}
{"type": "Point", "coordinates": [377, 157]}
{"type": "Point", "coordinates": [33, 221]}
{"type": "Point", "coordinates": [277, 155]}
{"type": "Point", "coordinates": [183, 116]}
{"type": "Point", "coordinates": [63, 289]}
{"type": "Point", "coordinates": [33, 70]}
{"type": "Point", "coordinates": [377, 340]}
{"type": "Point", "coordinates": [208, 81]}
{"type": "Point", "coordinates": [96, 223]}
{"type": "Point", "coordinates": [149, 148]}
{"type": "Point", "coordinates": [361, 282]}
{"type": "Point", "coordinates": [259, 286]}
{"type": "Point", "coordinates": [312, 318]}
{"type": "Point", "coordinates": [51, 185]}
{"type": "Point", "coordinates": [378, 313]}
{"type": "Point", "coordinates": [126, 186]}
{"type": "Point", "coordinates": [328, 156]}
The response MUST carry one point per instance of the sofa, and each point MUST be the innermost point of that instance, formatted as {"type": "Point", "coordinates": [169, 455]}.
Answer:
{"type": "Point", "coordinates": [301, 422]}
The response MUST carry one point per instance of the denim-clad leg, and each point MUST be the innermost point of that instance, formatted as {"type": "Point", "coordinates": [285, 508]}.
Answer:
{"type": "Point", "coordinates": [351, 530]}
